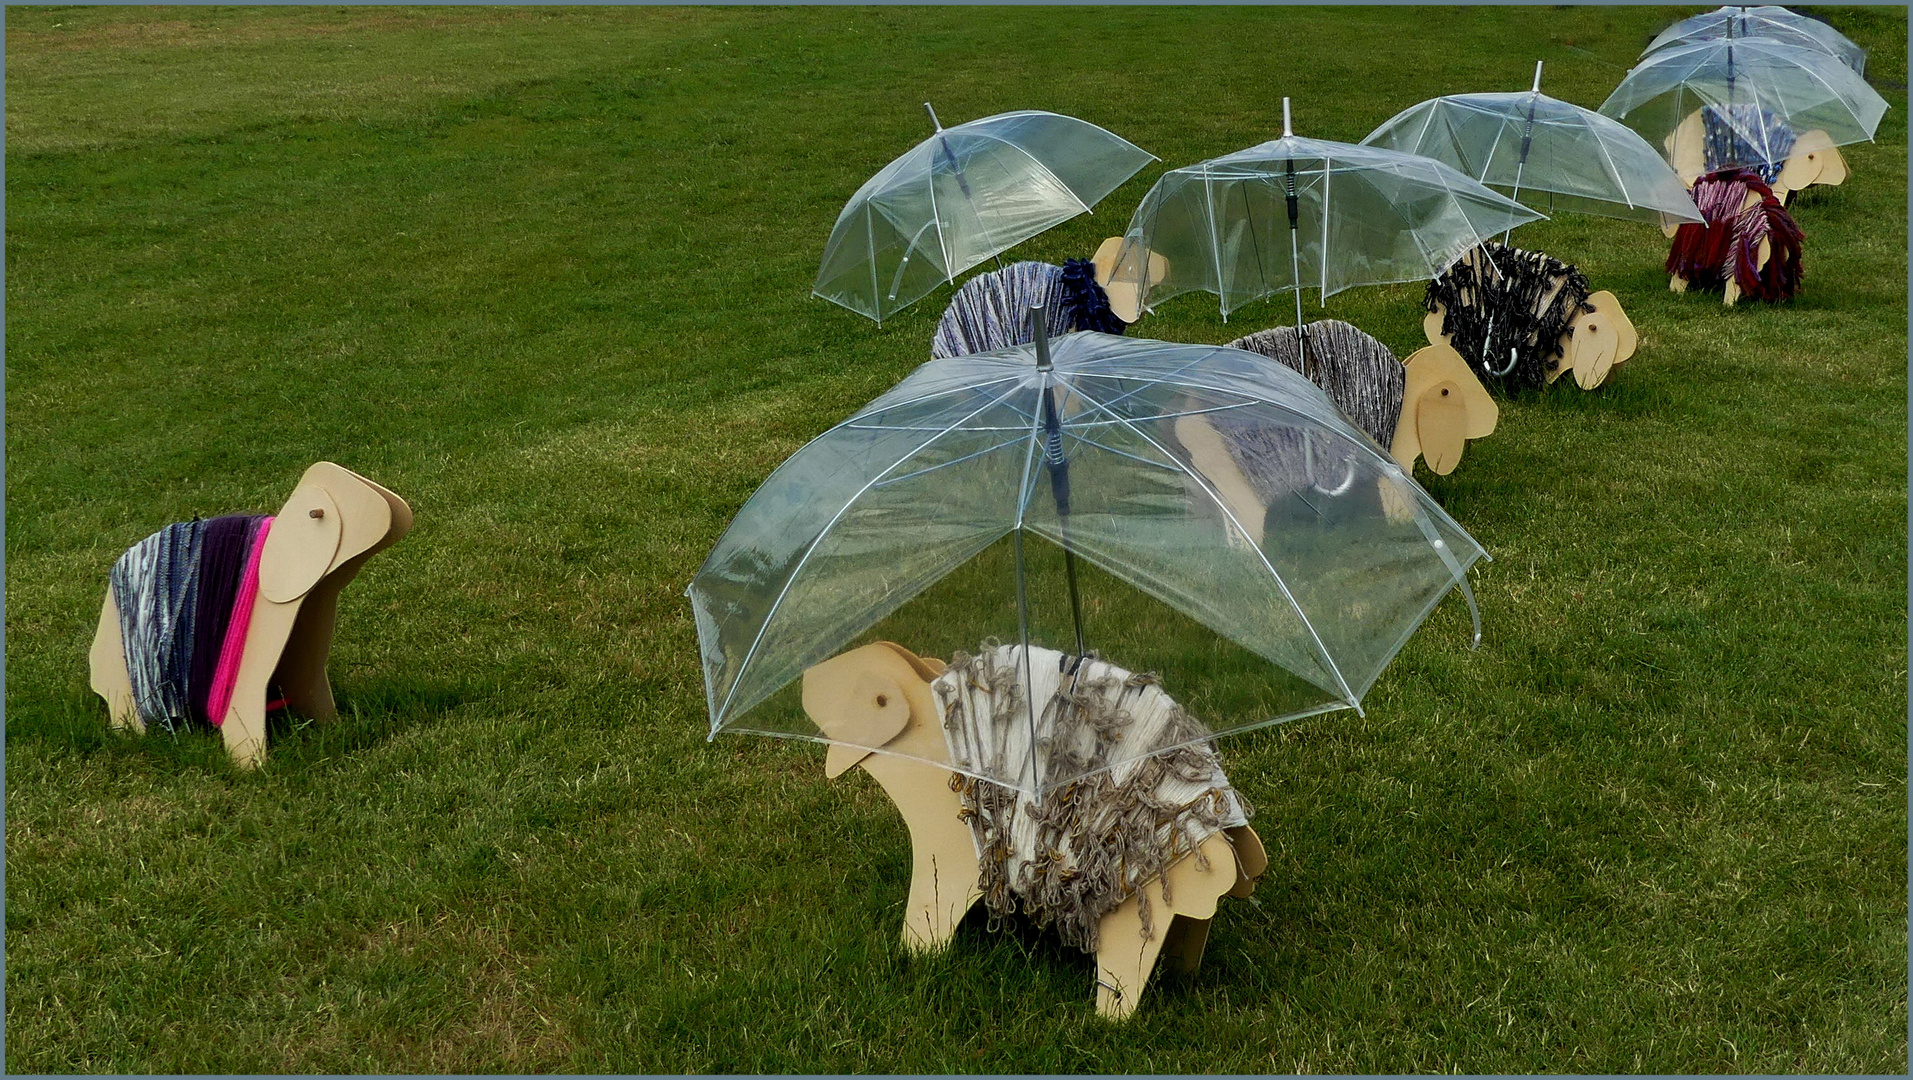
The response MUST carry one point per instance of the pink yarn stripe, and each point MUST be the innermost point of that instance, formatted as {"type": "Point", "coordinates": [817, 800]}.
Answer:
{"type": "Point", "coordinates": [226, 675]}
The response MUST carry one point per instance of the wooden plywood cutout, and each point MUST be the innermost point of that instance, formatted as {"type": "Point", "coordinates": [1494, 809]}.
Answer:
{"type": "Point", "coordinates": [1687, 148]}
{"type": "Point", "coordinates": [1127, 275]}
{"type": "Point", "coordinates": [1209, 456]}
{"type": "Point", "coordinates": [1443, 406]}
{"type": "Point", "coordinates": [878, 697]}
{"type": "Point", "coordinates": [334, 521]}
{"type": "Point", "coordinates": [1596, 342]}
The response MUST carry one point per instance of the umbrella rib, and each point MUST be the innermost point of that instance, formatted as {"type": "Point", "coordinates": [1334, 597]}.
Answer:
{"type": "Point", "coordinates": [1048, 171]}
{"type": "Point", "coordinates": [936, 218]}
{"type": "Point", "coordinates": [1215, 239]}
{"type": "Point", "coordinates": [1426, 122]}
{"type": "Point", "coordinates": [797, 571]}
{"type": "Point", "coordinates": [1837, 96]}
{"type": "Point", "coordinates": [1269, 403]}
{"type": "Point", "coordinates": [1613, 169]}
{"type": "Point", "coordinates": [1154, 379]}
{"type": "Point", "coordinates": [952, 461]}
{"type": "Point", "coordinates": [1176, 415]}
{"type": "Point", "coordinates": [1221, 504]}
{"type": "Point", "coordinates": [1321, 288]}
{"type": "Point", "coordinates": [1079, 424]}
{"type": "Point", "coordinates": [1025, 488]}
{"type": "Point", "coordinates": [870, 238]}
{"type": "Point", "coordinates": [1138, 458]}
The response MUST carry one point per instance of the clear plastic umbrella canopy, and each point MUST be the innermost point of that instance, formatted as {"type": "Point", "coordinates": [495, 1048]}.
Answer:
{"type": "Point", "coordinates": [1227, 488]}
{"type": "Point", "coordinates": [1775, 24]}
{"type": "Point", "coordinates": [1545, 152]}
{"type": "Point", "coordinates": [1297, 213]}
{"type": "Point", "coordinates": [1748, 100]}
{"type": "Point", "coordinates": [963, 195]}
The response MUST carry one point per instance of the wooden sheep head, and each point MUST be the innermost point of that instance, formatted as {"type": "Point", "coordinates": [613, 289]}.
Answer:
{"type": "Point", "coordinates": [1443, 406]}
{"type": "Point", "coordinates": [1596, 342]}
{"type": "Point", "coordinates": [875, 698]}
{"type": "Point", "coordinates": [334, 521]}
{"type": "Point", "coordinates": [1127, 273]}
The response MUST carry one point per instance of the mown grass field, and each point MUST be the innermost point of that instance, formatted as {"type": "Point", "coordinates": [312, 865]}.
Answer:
{"type": "Point", "coordinates": [544, 272]}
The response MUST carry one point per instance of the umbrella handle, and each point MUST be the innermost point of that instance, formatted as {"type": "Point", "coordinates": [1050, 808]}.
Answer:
{"type": "Point", "coordinates": [896, 280]}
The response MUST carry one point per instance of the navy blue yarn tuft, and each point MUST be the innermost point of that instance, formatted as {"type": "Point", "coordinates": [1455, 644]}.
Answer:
{"type": "Point", "coordinates": [1085, 301]}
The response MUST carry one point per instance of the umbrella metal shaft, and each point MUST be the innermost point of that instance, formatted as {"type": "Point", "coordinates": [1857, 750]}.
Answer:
{"type": "Point", "coordinates": [1058, 467]}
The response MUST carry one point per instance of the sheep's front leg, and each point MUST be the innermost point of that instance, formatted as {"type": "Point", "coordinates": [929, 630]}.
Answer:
{"type": "Point", "coordinates": [943, 864]}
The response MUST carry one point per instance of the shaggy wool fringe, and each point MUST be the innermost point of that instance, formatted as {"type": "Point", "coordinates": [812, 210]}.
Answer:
{"type": "Point", "coordinates": [992, 311]}
{"type": "Point", "coordinates": [1500, 299]}
{"type": "Point", "coordinates": [1727, 246]}
{"type": "Point", "coordinates": [1155, 792]}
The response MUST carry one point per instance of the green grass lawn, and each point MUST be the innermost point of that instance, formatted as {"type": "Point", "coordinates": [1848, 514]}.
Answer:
{"type": "Point", "coordinates": [545, 273]}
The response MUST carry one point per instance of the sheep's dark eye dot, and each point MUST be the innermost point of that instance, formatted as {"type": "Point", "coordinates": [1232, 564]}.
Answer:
{"type": "Point", "coordinates": [1444, 393]}
{"type": "Point", "coordinates": [883, 701]}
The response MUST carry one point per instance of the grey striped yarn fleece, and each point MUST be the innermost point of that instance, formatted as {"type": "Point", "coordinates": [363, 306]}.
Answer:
{"type": "Point", "coordinates": [155, 585]}
{"type": "Point", "coordinates": [1359, 374]}
{"type": "Point", "coordinates": [992, 311]}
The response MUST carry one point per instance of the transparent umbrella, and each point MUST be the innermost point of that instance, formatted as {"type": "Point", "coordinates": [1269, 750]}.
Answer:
{"type": "Point", "coordinates": [962, 196]}
{"type": "Point", "coordinates": [1741, 103]}
{"type": "Point", "coordinates": [1775, 24]}
{"type": "Point", "coordinates": [1297, 213]}
{"type": "Point", "coordinates": [1547, 153]}
{"type": "Point", "coordinates": [1221, 485]}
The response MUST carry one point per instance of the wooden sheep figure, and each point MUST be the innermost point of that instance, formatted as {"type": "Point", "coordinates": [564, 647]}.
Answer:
{"type": "Point", "coordinates": [879, 698]}
{"type": "Point", "coordinates": [334, 521]}
{"type": "Point", "coordinates": [1734, 250]}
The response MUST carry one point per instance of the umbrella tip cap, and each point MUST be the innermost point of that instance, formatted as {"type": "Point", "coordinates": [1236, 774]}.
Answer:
{"type": "Point", "coordinates": [1287, 128]}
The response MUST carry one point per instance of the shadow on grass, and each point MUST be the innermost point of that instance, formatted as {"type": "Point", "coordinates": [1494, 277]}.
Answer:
{"type": "Point", "coordinates": [369, 716]}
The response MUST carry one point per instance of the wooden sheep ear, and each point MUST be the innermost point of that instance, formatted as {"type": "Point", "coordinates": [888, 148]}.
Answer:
{"type": "Point", "coordinates": [1833, 166]}
{"type": "Point", "coordinates": [302, 546]}
{"type": "Point", "coordinates": [1432, 420]}
{"type": "Point", "coordinates": [1801, 169]}
{"type": "Point", "coordinates": [1441, 425]}
{"type": "Point", "coordinates": [1595, 341]}
{"type": "Point", "coordinates": [1813, 161]}
{"type": "Point", "coordinates": [1431, 326]}
{"type": "Point", "coordinates": [332, 518]}
{"type": "Point", "coordinates": [857, 700]}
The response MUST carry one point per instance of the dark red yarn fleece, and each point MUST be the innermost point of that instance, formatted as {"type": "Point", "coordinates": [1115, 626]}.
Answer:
{"type": "Point", "coordinates": [1729, 243]}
